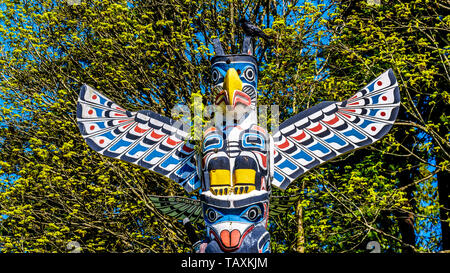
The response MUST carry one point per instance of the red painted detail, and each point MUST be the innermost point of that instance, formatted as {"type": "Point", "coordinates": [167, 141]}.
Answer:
{"type": "Point", "coordinates": [155, 135]}
{"type": "Point", "coordinates": [266, 210]}
{"type": "Point", "coordinates": [300, 136]}
{"type": "Point", "coordinates": [383, 114]}
{"type": "Point", "coordinates": [263, 185]}
{"type": "Point", "coordinates": [373, 128]}
{"type": "Point", "coordinates": [316, 128]}
{"type": "Point", "coordinates": [101, 141]}
{"type": "Point", "coordinates": [187, 149]}
{"type": "Point", "coordinates": [284, 145]}
{"type": "Point", "coordinates": [119, 115]}
{"type": "Point", "coordinates": [241, 97]}
{"type": "Point", "coordinates": [172, 142]}
{"type": "Point", "coordinates": [263, 159]}
{"type": "Point", "coordinates": [125, 126]}
{"type": "Point", "coordinates": [242, 101]}
{"type": "Point", "coordinates": [332, 121]}
{"type": "Point", "coordinates": [121, 109]}
{"type": "Point", "coordinates": [379, 83]}
{"type": "Point", "coordinates": [90, 112]}
{"type": "Point", "coordinates": [233, 126]}
{"type": "Point", "coordinates": [139, 130]}
{"type": "Point", "coordinates": [384, 98]}
{"type": "Point", "coordinates": [345, 115]}
{"type": "Point", "coordinates": [92, 127]}
{"type": "Point", "coordinates": [212, 129]}
{"type": "Point", "coordinates": [349, 110]}
{"type": "Point", "coordinates": [120, 121]}
{"type": "Point", "coordinates": [230, 239]}
{"type": "Point", "coordinates": [94, 97]}
{"type": "Point", "coordinates": [354, 103]}
{"type": "Point", "coordinates": [258, 128]}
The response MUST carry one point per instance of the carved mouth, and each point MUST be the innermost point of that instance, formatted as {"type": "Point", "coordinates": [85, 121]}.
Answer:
{"type": "Point", "coordinates": [230, 240]}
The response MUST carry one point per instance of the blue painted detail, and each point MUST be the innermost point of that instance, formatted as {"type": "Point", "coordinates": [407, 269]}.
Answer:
{"type": "Point", "coordinates": [185, 171]}
{"type": "Point", "coordinates": [336, 139]}
{"type": "Point", "coordinates": [101, 125]}
{"type": "Point", "coordinates": [169, 161]}
{"type": "Point", "coordinates": [366, 123]}
{"type": "Point", "coordinates": [217, 145]}
{"type": "Point", "coordinates": [287, 164]}
{"type": "Point", "coordinates": [253, 214]}
{"type": "Point", "coordinates": [302, 155]}
{"type": "Point", "coordinates": [354, 133]}
{"type": "Point", "coordinates": [99, 112]}
{"type": "Point", "coordinates": [102, 100]}
{"type": "Point", "coordinates": [319, 147]}
{"type": "Point", "coordinates": [266, 248]}
{"type": "Point", "coordinates": [371, 86]}
{"type": "Point", "coordinates": [109, 135]}
{"type": "Point", "coordinates": [119, 144]}
{"type": "Point", "coordinates": [153, 154]}
{"type": "Point", "coordinates": [278, 177]}
{"type": "Point", "coordinates": [375, 99]}
{"type": "Point", "coordinates": [242, 66]}
{"type": "Point", "coordinates": [136, 149]}
{"type": "Point", "coordinates": [373, 112]}
{"type": "Point", "coordinates": [252, 144]}
{"type": "Point", "coordinates": [194, 182]}
{"type": "Point", "coordinates": [241, 215]}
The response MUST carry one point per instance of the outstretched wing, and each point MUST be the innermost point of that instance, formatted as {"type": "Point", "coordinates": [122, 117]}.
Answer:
{"type": "Point", "coordinates": [330, 129]}
{"type": "Point", "coordinates": [179, 207]}
{"type": "Point", "coordinates": [144, 138]}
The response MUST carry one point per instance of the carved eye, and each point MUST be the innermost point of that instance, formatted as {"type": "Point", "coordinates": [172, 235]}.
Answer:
{"type": "Point", "coordinates": [249, 74]}
{"type": "Point", "coordinates": [215, 76]}
{"type": "Point", "coordinates": [212, 215]}
{"type": "Point", "coordinates": [253, 213]}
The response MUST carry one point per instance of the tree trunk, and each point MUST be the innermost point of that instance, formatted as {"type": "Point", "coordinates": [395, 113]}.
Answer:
{"type": "Point", "coordinates": [406, 218]}
{"type": "Point", "coordinates": [443, 178]}
{"type": "Point", "coordinates": [300, 229]}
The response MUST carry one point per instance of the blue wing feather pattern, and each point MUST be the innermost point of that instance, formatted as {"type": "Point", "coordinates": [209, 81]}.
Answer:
{"type": "Point", "coordinates": [144, 138]}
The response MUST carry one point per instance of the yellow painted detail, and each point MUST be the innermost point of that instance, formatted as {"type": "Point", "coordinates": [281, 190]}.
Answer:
{"type": "Point", "coordinates": [219, 177]}
{"type": "Point", "coordinates": [244, 180]}
{"type": "Point", "coordinates": [244, 177]}
{"type": "Point", "coordinates": [221, 190]}
{"type": "Point", "coordinates": [231, 83]}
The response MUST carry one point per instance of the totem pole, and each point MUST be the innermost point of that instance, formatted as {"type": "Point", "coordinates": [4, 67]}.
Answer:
{"type": "Point", "coordinates": [240, 161]}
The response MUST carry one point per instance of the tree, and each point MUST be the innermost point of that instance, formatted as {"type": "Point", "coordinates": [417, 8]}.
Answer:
{"type": "Point", "coordinates": [142, 54]}
{"type": "Point", "coordinates": [153, 55]}
{"type": "Point", "coordinates": [412, 38]}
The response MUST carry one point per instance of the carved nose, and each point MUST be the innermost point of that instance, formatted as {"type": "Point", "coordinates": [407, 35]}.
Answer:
{"type": "Point", "coordinates": [230, 239]}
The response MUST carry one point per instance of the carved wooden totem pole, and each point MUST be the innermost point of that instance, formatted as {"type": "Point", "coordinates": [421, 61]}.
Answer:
{"type": "Point", "coordinates": [240, 160]}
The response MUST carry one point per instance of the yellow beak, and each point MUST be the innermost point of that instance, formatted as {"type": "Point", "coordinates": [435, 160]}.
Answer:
{"type": "Point", "coordinates": [232, 83]}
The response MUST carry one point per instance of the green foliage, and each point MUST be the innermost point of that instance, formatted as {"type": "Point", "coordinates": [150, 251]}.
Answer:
{"type": "Point", "coordinates": [412, 38]}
